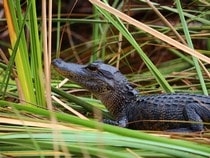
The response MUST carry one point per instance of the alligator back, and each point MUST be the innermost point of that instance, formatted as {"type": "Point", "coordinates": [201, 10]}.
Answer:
{"type": "Point", "coordinates": [168, 111]}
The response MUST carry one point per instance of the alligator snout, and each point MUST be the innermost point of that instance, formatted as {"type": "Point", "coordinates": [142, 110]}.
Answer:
{"type": "Point", "coordinates": [57, 62]}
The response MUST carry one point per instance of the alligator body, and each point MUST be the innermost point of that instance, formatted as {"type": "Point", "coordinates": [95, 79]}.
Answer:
{"type": "Point", "coordinates": [170, 112]}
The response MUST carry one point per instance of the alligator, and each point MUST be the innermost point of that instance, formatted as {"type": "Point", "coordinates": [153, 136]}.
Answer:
{"type": "Point", "coordinates": [176, 112]}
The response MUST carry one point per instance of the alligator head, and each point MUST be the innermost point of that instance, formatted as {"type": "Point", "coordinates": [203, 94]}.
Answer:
{"type": "Point", "coordinates": [104, 81]}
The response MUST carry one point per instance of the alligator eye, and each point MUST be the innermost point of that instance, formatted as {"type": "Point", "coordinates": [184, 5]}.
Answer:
{"type": "Point", "coordinates": [92, 68]}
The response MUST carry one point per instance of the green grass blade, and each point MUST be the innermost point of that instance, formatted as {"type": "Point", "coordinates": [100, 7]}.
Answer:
{"type": "Point", "coordinates": [190, 44]}
{"type": "Point", "coordinates": [36, 56]}
{"type": "Point", "coordinates": [58, 27]}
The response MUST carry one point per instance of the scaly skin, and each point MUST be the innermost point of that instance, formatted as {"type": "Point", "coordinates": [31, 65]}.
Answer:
{"type": "Point", "coordinates": [170, 112]}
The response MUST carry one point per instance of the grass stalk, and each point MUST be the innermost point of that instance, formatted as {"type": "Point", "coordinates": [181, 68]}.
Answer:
{"type": "Point", "coordinates": [96, 36]}
{"type": "Point", "coordinates": [36, 57]}
{"type": "Point", "coordinates": [190, 44]}
{"type": "Point", "coordinates": [58, 27]}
